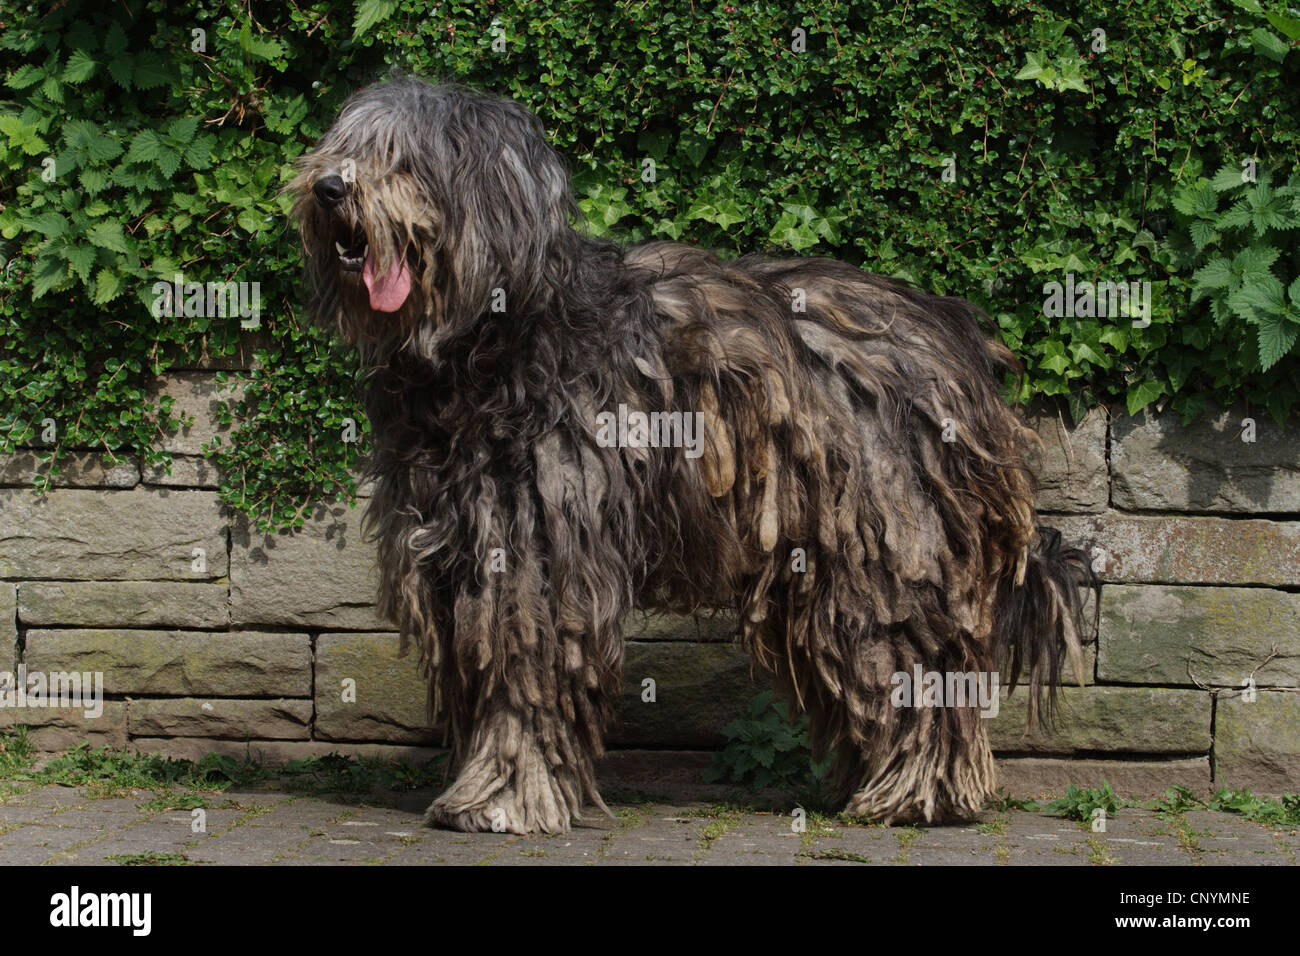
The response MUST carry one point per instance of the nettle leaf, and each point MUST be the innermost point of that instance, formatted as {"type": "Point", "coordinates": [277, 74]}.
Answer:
{"type": "Point", "coordinates": [81, 67]}
{"type": "Point", "coordinates": [21, 136]}
{"type": "Point", "coordinates": [1276, 336]}
{"type": "Point", "coordinates": [108, 286]}
{"type": "Point", "coordinates": [49, 273]}
{"type": "Point", "coordinates": [115, 41]}
{"type": "Point", "coordinates": [1228, 177]}
{"type": "Point", "coordinates": [93, 179]}
{"type": "Point", "coordinates": [48, 224]}
{"type": "Point", "coordinates": [370, 12]}
{"type": "Point", "coordinates": [1203, 234]}
{"type": "Point", "coordinates": [1236, 216]}
{"type": "Point", "coordinates": [1215, 274]}
{"type": "Point", "coordinates": [261, 48]}
{"type": "Point", "coordinates": [198, 155]}
{"type": "Point", "coordinates": [1255, 261]}
{"type": "Point", "coordinates": [145, 147]}
{"type": "Point", "coordinates": [182, 130]}
{"type": "Point", "coordinates": [82, 260]}
{"type": "Point", "coordinates": [151, 73]}
{"type": "Point", "coordinates": [169, 160]}
{"type": "Point", "coordinates": [1201, 200]}
{"type": "Point", "coordinates": [25, 76]}
{"type": "Point", "coordinates": [108, 235]}
{"type": "Point", "coordinates": [1258, 297]}
{"type": "Point", "coordinates": [121, 69]}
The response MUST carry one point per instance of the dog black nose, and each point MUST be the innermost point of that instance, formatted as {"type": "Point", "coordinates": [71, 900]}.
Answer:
{"type": "Point", "coordinates": [329, 191]}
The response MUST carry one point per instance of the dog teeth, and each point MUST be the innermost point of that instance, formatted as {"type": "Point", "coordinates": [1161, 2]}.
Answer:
{"type": "Point", "coordinates": [339, 247]}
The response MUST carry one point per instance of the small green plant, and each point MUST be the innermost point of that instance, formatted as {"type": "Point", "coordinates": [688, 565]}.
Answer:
{"type": "Point", "coordinates": [1003, 802]}
{"type": "Point", "coordinates": [1177, 799]}
{"type": "Point", "coordinates": [766, 749]}
{"type": "Point", "coordinates": [16, 752]}
{"type": "Point", "coordinates": [835, 853]}
{"type": "Point", "coordinates": [1079, 804]}
{"type": "Point", "coordinates": [336, 773]}
{"type": "Point", "coordinates": [1282, 812]}
{"type": "Point", "coordinates": [152, 858]}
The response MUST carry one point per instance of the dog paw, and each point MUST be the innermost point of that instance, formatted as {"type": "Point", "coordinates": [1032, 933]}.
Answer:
{"type": "Point", "coordinates": [502, 811]}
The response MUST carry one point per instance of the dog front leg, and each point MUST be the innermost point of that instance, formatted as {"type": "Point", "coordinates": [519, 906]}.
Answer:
{"type": "Point", "coordinates": [527, 733]}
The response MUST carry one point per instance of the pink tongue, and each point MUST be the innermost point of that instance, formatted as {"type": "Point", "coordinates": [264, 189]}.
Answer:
{"type": "Point", "coordinates": [387, 291]}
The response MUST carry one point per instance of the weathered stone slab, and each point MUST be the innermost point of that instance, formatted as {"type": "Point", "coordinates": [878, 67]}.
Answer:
{"type": "Point", "coordinates": [111, 535]}
{"type": "Point", "coordinates": [1159, 464]}
{"type": "Point", "coordinates": [220, 718]}
{"type": "Point", "coordinates": [1190, 550]}
{"type": "Point", "coordinates": [1071, 465]}
{"type": "Point", "coordinates": [79, 470]}
{"type": "Point", "coordinates": [277, 753]}
{"type": "Point", "coordinates": [193, 663]}
{"type": "Point", "coordinates": [1257, 744]}
{"type": "Point", "coordinates": [699, 689]}
{"type": "Point", "coordinates": [1156, 634]}
{"type": "Point", "coordinates": [321, 577]}
{"type": "Point", "coordinates": [1118, 719]}
{"type": "Point", "coordinates": [390, 694]}
{"type": "Point", "coordinates": [8, 623]}
{"type": "Point", "coordinates": [196, 395]}
{"type": "Point", "coordinates": [718, 627]}
{"type": "Point", "coordinates": [123, 604]}
{"type": "Point", "coordinates": [1036, 777]}
{"type": "Point", "coordinates": [62, 728]}
{"type": "Point", "coordinates": [187, 471]}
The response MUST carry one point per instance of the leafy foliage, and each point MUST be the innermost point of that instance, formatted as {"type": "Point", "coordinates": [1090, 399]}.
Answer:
{"type": "Point", "coordinates": [765, 749]}
{"type": "Point", "coordinates": [1282, 812]}
{"type": "Point", "coordinates": [981, 149]}
{"type": "Point", "coordinates": [1080, 804]}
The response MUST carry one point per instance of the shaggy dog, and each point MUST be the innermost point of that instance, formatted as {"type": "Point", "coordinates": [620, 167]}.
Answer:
{"type": "Point", "coordinates": [565, 429]}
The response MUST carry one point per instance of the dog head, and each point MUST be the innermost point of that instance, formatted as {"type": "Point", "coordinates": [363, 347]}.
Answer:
{"type": "Point", "coordinates": [423, 205]}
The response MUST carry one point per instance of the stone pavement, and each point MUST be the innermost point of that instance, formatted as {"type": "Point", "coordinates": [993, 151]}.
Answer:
{"type": "Point", "coordinates": [62, 825]}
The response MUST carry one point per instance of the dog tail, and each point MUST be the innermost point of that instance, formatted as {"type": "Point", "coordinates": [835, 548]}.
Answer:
{"type": "Point", "coordinates": [1040, 621]}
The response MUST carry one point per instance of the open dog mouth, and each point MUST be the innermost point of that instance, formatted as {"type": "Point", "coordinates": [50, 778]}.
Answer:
{"type": "Point", "coordinates": [351, 256]}
{"type": "Point", "coordinates": [388, 290]}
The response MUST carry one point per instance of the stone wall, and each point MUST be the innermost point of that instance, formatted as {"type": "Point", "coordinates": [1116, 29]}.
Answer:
{"type": "Point", "coordinates": [213, 637]}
